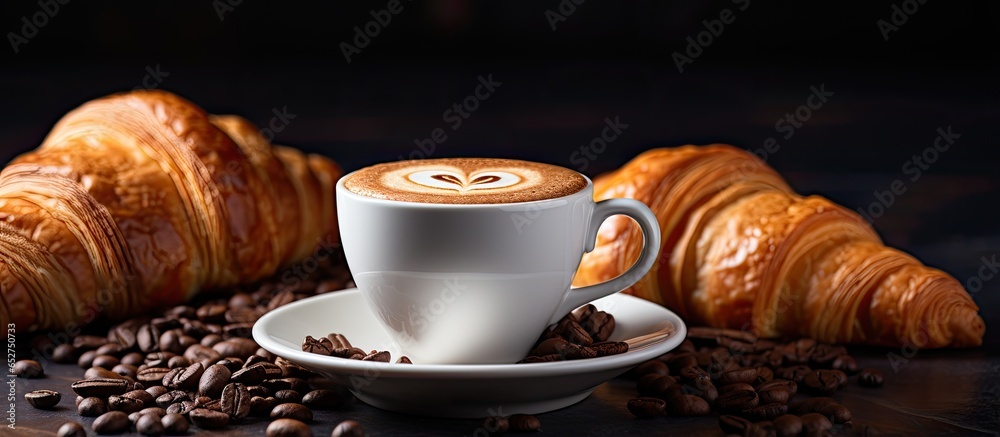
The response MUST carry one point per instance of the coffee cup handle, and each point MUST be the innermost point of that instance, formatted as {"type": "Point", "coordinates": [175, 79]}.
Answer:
{"type": "Point", "coordinates": [650, 227]}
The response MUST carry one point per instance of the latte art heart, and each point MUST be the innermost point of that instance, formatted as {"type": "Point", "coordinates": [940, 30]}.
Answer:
{"type": "Point", "coordinates": [450, 180]}
{"type": "Point", "coordinates": [465, 181]}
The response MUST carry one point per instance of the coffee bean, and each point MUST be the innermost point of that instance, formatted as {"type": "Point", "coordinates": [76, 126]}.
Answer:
{"type": "Point", "coordinates": [816, 424]}
{"type": "Point", "coordinates": [173, 397]}
{"type": "Point", "coordinates": [846, 364]}
{"type": "Point", "coordinates": [187, 378]}
{"type": "Point", "coordinates": [43, 399]}
{"type": "Point", "coordinates": [378, 356]}
{"type": "Point", "coordinates": [836, 413]}
{"type": "Point", "coordinates": [733, 387]}
{"type": "Point", "coordinates": [112, 422]}
{"type": "Point", "coordinates": [231, 363]}
{"type": "Point", "coordinates": [178, 361]}
{"type": "Point", "coordinates": [695, 375]}
{"type": "Point", "coordinates": [688, 405]}
{"type": "Point", "coordinates": [321, 346]}
{"type": "Point", "coordinates": [208, 419]}
{"type": "Point", "coordinates": [821, 382]}
{"type": "Point", "coordinates": [743, 375]}
{"type": "Point", "coordinates": [573, 332]}
{"type": "Point", "coordinates": [125, 370]}
{"type": "Point", "coordinates": [524, 423]}
{"type": "Point", "coordinates": [350, 428]}
{"type": "Point", "coordinates": [168, 378]}
{"type": "Point", "coordinates": [252, 375]}
{"type": "Point", "coordinates": [404, 360]}
{"type": "Point", "coordinates": [652, 384]}
{"type": "Point", "coordinates": [157, 391]}
{"type": "Point", "coordinates": [86, 359]}
{"type": "Point", "coordinates": [600, 326]}
{"type": "Point", "coordinates": [794, 373]}
{"type": "Point", "coordinates": [292, 411]}
{"type": "Point", "coordinates": [824, 354]}
{"type": "Point", "coordinates": [142, 396]}
{"type": "Point", "coordinates": [286, 396]}
{"type": "Point", "coordinates": [133, 359]}
{"type": "Point", "coordinates": [654, 367]}
{"type": "Point", "coordinates": [246, 314]}
{"type": "Point", "coordinates": [101, 387]}
{"type": "Point", "coordinates": [737, 401]}
{"type": "Point", "coordinates": [608, 348]}
{"type": "Point", "coordinates": [211, 340]}
{"type": "Point", "coordinates": [277, 384]}
{"type": "Point", "coordinates": [680, 361]}
{"type": "Point", "coordinates": [174, 424]}
{"type": "Point", "coordinates": [326, 399]}
{"type": "Point", "coordinates": [91, 407]}
{"type": "Point", "coordinates": [235, 347]}
{"type": "Point", "coordinates": [207, 402]}
{"type": "Point", "coordinates": [787, 425]}
{"type": "Point", "coordinates": [148, 338]}
{"type": "Point", "coordinates": [767, 411]}
{"type": "Point", "coordinates": [212, 313]}
{"type": "Point", "coordinates": [88, 342]}
{"type": "Point", "coordinates": [28, 369]}
{"type": "Point", "coordinates": [288, 428]}
{"type": "Point", "coordinates": [870, 378]}
{"type": "Point", "coordinates": [764, 374]}
{"type": "Point", "coordinates": [775, 395]}
{"type": "Point", "coordinates": [647, 407]}
{"type": "Point", "coordinates": [149, 425]}
{"type": "Point", "coordinates": [64, 354]}
{"type": "Point", "coordinates": [153, 411]}
{"type": "Point", "coordinates": [790, 386]}
{"type": "Point", "coordinates": [258, 390]}
{"type": "Point", "coordinates": [551, 346]}
{"type": "Point", "coordinates": [124, 404]}
{"type": "Point", "coordinates": [239, 330]}
{"type": "Point", "coordinates": [100, 372]}
{"type": "Point", "coordinates": [495, 425]}
{"type": "Point", "coordinates": [213, 380]}
{"type": "Point", "coordinates": [154, 375]}
{"type": "Point", "coordinates": [182, 407]}
{"type": "Point", "coordinates": [71, 429]}
{"type": "Point", "coordinates": [113, 349]}
{"type": "Point", "coordinates": [735, 424]}
{"type": "Point", "coordinates": [261, 406]}
{"type": "Point", "coordinates": [235, 401]}
{"type": "Point", "coordinates": [582, 313]}
{"type": "Point", "coordinates": [254, 359]}
{"type": "Point", "coordinates": [199, 352]}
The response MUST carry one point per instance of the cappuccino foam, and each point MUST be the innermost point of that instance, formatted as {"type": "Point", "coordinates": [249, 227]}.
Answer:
{"type": "Point", "coordinates": [465, 181]}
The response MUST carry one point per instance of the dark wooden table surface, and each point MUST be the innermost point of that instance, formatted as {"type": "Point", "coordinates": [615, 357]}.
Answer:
{"type": "Point", "coordinates": [940, 392]}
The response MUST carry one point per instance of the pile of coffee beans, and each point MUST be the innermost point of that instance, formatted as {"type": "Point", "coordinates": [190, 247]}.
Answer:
{"type": "Point", "coordinates": [583, 333]}
{"type": "Point", "coordinates": [750, 383]}
{"type": "Point", "coordinates": [196, 365]}
{"type": "Point", "coordinates": [337, 345]}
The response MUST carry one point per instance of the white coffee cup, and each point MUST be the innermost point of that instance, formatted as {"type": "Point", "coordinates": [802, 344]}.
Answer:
{"type": "Point", "coordinates": [478, 283]}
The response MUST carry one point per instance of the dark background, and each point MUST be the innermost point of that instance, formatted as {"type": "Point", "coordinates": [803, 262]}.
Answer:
{"type": "Point", "coordinates": [606, 59]}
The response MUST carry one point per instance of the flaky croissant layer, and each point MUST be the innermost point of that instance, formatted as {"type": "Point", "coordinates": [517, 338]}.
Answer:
{"type": "Point", "coordinates": [741, 250]}
{"type": "Point", "coordinates": [141, 199]}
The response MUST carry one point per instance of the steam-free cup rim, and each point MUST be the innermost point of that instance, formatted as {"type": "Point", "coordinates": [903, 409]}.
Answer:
{"type": "Point", "coordinates": [343, 191]}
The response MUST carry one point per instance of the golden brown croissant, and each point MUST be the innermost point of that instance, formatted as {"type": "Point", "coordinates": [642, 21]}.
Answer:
{"type": "Point", "coordinates": [741, 250]}
{"type": "Point", "coordinates": [141, 199]}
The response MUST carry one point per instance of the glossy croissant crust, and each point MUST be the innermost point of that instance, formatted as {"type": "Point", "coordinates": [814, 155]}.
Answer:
{"type": "Point", "coordinates": [141, 199]}
{"type": "Point", "coordinates": [741, 250]}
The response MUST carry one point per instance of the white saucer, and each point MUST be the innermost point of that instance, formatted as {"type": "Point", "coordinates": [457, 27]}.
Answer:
{"type": "Point", "coordinates": [460, 391]}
